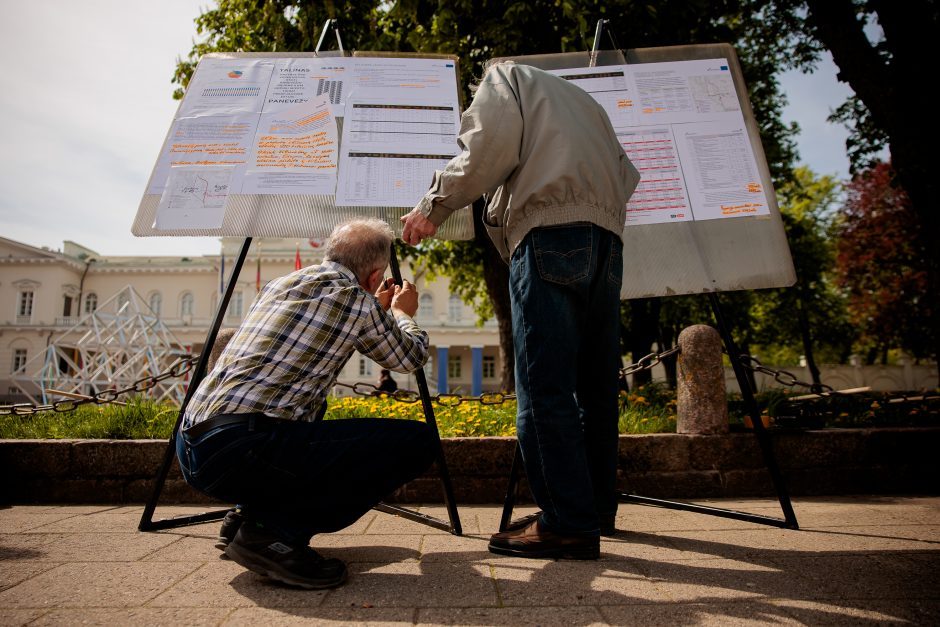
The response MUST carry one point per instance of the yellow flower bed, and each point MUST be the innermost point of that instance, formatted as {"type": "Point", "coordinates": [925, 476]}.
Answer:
{"type": "Point", "coordinates": [464, 420]}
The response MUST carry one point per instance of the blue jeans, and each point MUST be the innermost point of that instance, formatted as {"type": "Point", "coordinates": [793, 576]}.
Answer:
{"type": "Point", "coordinates": [302, 478]}
{"type": "Point", "coordinates": [565, 293]}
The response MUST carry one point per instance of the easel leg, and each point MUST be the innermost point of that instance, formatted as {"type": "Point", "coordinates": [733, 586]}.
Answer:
{"type": "Point", "coordinates": [789, 520]}
{"type": "Point", "coordinates": [510, 501]}
{"type": "Point", "coordinates": [425, 394]}
{"type": "Point", "coordinates": [750, 402]}
{"type": "Point", "coordinates": [146, 520]}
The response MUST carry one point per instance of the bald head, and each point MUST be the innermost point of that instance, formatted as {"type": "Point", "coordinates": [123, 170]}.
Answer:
{"type": "Point", "coordinates": [361, 244]}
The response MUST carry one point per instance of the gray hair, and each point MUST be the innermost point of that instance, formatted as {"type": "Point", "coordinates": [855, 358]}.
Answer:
{"type": "Point", "coordinates": [360, 244]}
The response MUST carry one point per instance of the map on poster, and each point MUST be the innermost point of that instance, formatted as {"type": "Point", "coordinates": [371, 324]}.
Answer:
{"type": "Point", "coordinates": [270, 123]}
{"type": "Point", "coordinates": [681, 124]}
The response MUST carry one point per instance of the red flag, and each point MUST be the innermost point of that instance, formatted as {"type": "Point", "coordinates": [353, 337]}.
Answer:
{"type": "Point", "coordinates": [297, 264]}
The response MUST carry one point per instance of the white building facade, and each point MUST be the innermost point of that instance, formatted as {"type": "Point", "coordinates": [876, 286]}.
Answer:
{"type": "Point", "coordinates": [43, 293]}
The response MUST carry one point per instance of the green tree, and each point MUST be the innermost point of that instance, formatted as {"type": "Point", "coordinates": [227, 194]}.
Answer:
{"type": "Point", "coordinates": [883, 50]}
{"type": "Point", "coordinates": [811, 315]}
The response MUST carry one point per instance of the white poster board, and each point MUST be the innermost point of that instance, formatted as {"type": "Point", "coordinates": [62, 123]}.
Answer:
{"type": "Point", "coordinates": [704, 216]}
{"type": "Point", "coordinates": [258, 146]}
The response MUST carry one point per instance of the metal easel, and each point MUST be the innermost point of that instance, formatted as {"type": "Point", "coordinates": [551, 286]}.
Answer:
{"type": "Point", "coordinates": [789, 520]}
{"type": "Point", "coordinates": [146, 521]}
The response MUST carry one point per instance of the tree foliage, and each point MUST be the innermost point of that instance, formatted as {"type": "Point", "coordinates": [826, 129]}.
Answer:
{"type": "Point", "coordinates": [882, 49]}
{"type": "Point", "coordinates": [879, 264]}
{"type": "Point", "coordinates": [809, 317]}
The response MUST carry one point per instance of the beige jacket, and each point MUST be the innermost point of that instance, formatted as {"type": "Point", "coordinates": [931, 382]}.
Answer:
{"type": "Point", "coordinates": [542, 150]}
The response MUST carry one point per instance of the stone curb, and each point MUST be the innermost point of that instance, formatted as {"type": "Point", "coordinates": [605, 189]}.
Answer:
{"type": "Point", "coordinates": [843, 461]}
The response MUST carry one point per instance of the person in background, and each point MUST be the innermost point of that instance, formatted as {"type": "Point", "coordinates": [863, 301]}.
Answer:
{"type": "Point", "coordinates": [386, 383]}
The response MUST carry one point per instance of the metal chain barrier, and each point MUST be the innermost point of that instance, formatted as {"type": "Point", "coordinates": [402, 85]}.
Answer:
{"type": "Point", "coordinates": [410, 396]}
{"type": "Point", "coordinates": [784, 378]}
{"type": "Point", "coordinates": [490, 398]}
{"type": "Point", "coordinates": [185, 365]}
{"type": "Point", "coordinates": [826, 406]}
{"type": "Point", "coordinates": [647, 362]}
{"type": "Point", "coordinates": [177, 369]}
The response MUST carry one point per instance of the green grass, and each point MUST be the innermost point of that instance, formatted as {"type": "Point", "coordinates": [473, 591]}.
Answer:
{"type": "Point", "coordinates": [649, 410]}
{"type": "Point", "coordinates": [140, 419]}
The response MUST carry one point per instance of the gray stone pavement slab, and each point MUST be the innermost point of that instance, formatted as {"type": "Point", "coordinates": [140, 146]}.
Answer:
{"type": "Point", "coordinates": [134, 616]}
{"type": "Point", "coordinates": [857, 560]}
{"type": "Point", "coordinates": [322, 616]}
{"type": "Point", "coordinates": [545, 616]}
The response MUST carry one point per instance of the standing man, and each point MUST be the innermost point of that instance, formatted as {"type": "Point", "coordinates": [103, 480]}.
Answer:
{"type": "Point", "coordinates": [557, 181]}
{"type": "Point", "coordinates": [254, 435]}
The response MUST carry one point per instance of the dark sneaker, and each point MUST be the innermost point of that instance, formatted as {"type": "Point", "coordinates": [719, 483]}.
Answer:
{"type": "Point", "coordinates": [608, 528]}
{"type": "Point", "coordinates": [266, 554]}
{"type": "Point", "coordinates": [534, 541]}
{"type": "Point", "coordinates": [230, 524]}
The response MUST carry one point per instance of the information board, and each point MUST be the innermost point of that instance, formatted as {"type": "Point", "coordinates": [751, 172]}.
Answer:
{"type": "Point", "coordinates": [274, 145]}
{"type": "Point", "coordinates": [704, 216]}
{"type": "Point", "coordinates": [288, 145]}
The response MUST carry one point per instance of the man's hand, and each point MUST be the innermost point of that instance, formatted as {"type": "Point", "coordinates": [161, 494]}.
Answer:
{"type": "Point", "coordinates": [417, 227]}
{"type": "Point", "coordinates": [385, 292]}
{"type": "Point", "coordinates": [405, 300]}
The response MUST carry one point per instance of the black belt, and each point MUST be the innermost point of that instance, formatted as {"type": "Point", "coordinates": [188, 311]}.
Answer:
{"type": "Point", "coordinates": [257, 421]}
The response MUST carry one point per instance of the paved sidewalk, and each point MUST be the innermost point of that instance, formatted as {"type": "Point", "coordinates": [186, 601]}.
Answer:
{"type": "Point", "coordinates": [858, 560]}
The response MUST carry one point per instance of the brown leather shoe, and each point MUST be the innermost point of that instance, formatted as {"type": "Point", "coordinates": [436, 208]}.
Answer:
{"type": "Point", "coordinates": [534, 541]}
{"type": "Point", "coordinates": [608, 528]}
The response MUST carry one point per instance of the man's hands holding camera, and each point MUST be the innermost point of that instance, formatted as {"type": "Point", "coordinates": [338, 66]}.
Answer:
{"type": "Point", "coordinates": [401, 299]}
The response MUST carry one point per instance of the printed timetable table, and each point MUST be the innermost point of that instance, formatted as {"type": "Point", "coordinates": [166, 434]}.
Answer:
{"type": "Point", "coordinates": [393, 177]}
{"type": "Point", "coordinates": [418, 125]}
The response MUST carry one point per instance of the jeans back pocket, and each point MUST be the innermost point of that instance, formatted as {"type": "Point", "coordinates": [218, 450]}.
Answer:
{"type": "Point", "coordinates": [563, 253]}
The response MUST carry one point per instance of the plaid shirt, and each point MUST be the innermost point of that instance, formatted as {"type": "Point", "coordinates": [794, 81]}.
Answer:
{"type": "Point", "coordinates": [298, 335]}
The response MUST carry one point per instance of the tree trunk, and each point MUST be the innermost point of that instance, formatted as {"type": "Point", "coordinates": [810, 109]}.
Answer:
{"type": "Point", "coordinates": [807, 338]}
{"type": "Point", "coordinates": [644, 329]}
{"type": "Point", "coordinates": [496, 277]}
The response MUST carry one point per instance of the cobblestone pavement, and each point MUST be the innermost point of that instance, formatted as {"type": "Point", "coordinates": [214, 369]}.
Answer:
{"type": "Point", "coordinates": [857, 560]}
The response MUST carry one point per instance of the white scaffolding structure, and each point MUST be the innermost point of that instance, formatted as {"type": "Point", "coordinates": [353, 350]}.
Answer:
{"type": "Point", "coordinates": [121, 342]}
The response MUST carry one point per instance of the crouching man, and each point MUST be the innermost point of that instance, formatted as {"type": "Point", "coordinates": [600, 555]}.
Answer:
{"type": "Point", "coordinates": [253, 432]}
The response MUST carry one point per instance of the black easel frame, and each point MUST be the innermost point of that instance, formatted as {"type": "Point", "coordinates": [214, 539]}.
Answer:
{"type": "Point", "coordinates": [147, 523]}
{"type": "Point", "coordinates": [747, 392]}
{"type": "Point", "coordinates": [146, 520]}
{"type": "Point", "coordinates": [760, 432]}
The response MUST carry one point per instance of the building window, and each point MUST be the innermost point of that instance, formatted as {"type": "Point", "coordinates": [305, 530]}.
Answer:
{"type": "Point", "coordinates": [66, 305]}
{"type": "Point", "coordinates": [91, 303]}
{"type": "Point", "coordinates": [156, 302]}
{"type": "Point", "coordinates": [489, 367]}
{"type": "Point", "coordinates": [426, 308]}
{"type": "Point", "coordinates": [235, 306]}
{"type": "Point", "coordinates": [19, 358]}
{"type": "Point", "coordinates": [186, 304]}
{"type": "Point", "coordinates": [365, 367]}
{"type": "Point", "coordinates": [123, 300]}
{"type": "Point", "coordinates": [455, 308]}
{"type": "Point", "coordinates": [24, 308]}
{"type": "Point", "coordinates": [453, 367]}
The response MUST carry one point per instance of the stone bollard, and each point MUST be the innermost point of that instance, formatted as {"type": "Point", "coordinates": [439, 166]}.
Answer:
{"type": "Point", "coordinates": [702, 398]}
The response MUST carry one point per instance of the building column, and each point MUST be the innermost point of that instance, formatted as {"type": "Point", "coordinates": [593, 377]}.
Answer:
{"type": "Point", "coordinates": [442, 369]}
{"type": "Point", "coordinates": [477, 356]}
